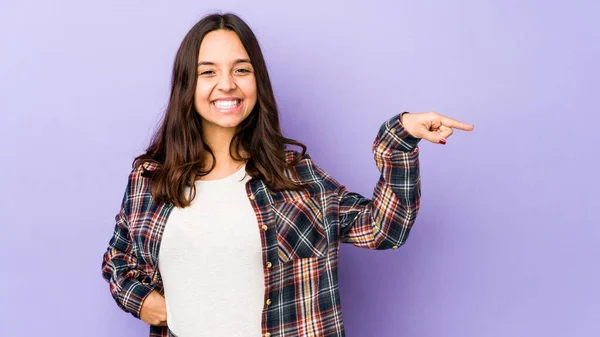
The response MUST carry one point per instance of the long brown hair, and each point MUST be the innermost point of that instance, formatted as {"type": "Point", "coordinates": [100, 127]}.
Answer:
{"type": "Point", "coordinates": [177, 146]}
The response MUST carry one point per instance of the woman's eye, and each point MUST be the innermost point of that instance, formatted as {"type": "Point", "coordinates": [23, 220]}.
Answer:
{"type": "Point", "coordinates": [208, 72]}
{"type": "Point", "coordinates": [243, 71]}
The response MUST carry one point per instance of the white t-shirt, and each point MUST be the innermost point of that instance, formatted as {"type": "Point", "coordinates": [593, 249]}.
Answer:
{"type": "Point", "coordinates": [210, 261]}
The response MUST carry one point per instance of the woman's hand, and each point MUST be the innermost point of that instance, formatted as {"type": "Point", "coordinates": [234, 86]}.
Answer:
{"type": "Point", "coordinates": [154, 309]}
{"type": "Point", "coordinates": [432, 126]}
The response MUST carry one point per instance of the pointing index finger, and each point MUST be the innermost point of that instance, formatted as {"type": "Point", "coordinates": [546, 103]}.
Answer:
{"type": "Point", "coordinates": [453, 123]}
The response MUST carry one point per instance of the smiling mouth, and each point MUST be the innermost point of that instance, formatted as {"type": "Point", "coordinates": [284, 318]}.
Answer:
{"type": "Point", "coordinates": [228, 104]}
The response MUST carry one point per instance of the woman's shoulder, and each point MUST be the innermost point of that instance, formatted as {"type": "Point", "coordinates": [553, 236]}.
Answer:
{"type": "Point", "coordinates": [139, 177]}
{"type": "Point", "coordinates": [145, 166]}
{"type": "Point", "coordinates": [307, 172]}
{"type": "Point", "coordinates": [301, 163]}
{"type": "Point", "coordinates": [305, 167]}
{"type": "Point", "coordinates": [293, 155]}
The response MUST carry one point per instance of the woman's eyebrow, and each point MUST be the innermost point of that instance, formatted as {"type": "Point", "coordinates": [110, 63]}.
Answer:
{"type": "Point", "coordinates": [208, 63]}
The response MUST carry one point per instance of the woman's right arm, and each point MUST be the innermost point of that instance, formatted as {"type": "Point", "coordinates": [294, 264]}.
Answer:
{"type": "Point", "coordinates": [129, 285]}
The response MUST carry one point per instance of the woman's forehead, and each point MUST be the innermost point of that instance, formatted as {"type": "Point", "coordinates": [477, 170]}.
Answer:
{"type": "Point", "coordinates": [221, 46]}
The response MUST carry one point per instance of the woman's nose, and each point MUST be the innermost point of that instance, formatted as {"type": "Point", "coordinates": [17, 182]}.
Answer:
{"type": "Point", "coordinates": [226, 83]}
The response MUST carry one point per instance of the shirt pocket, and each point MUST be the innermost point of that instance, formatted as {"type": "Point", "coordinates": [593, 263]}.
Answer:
{"type": "Point", "coordinates": [300, 232]}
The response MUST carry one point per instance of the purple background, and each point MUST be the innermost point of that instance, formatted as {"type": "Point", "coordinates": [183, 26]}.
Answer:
{"type": "Point", "coordinates": [506, 244]}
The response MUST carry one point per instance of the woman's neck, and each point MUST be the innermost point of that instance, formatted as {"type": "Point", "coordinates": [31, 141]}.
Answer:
{"type": "Point", "coordinates": [219, 142]}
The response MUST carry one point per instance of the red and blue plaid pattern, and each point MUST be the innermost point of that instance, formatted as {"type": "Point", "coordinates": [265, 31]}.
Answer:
{"type": "Point", "coordinates": [300, 233]}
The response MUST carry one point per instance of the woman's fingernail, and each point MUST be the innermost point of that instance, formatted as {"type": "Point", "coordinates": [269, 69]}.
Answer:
{"type": "Point", "coordinates": [443, 141]}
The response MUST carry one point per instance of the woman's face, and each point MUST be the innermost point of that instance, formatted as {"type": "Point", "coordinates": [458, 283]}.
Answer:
{"type": "Point", "coordinates": [226, 87]}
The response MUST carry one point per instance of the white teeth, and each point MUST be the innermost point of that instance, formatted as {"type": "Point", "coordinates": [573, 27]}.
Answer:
{"type": "Point", "coordinates": [226, 104]}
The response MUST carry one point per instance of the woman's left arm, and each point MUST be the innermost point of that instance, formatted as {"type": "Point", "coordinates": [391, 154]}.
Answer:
{"type": "Point", "coordinates": [384, 221]}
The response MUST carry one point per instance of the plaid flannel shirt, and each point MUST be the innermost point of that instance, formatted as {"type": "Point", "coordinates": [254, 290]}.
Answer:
{"type": "Point", "coordinates": [300, 233]}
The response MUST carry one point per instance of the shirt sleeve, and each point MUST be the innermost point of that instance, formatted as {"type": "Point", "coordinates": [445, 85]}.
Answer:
{"type": "Point", "coordinates": [383, 221]}
{"type": "Point", "coordinates": [129, 285]}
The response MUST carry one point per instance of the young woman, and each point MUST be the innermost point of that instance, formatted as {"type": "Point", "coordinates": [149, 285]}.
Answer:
{"type": "Point", "coordinates": [223, 231]}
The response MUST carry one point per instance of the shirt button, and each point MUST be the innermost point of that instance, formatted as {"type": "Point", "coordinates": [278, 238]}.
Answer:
{"type": "Point", "coordinates": [393, 130]}
{"type": "Point", "coordinates": [264, 228]}
{"type": "Point", "coordinates": [268, 334]}
{"type": "Point", "coordinates": [395, 247]}
{"type": "Point", "coordinates": [252, 197]}
{"type": "Point", "coordinates": [269, 265]}
{"type": "Point", "coordinates": [269, 301]}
